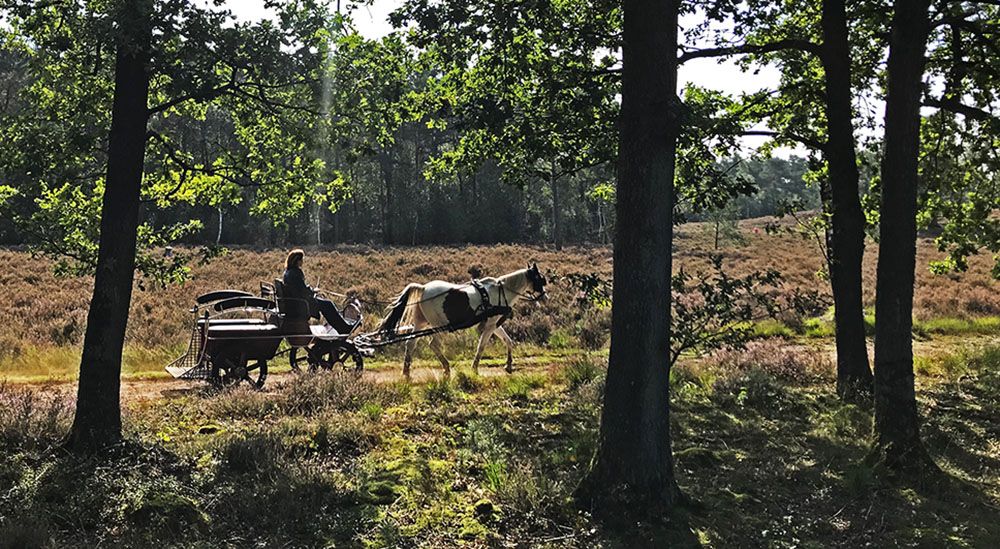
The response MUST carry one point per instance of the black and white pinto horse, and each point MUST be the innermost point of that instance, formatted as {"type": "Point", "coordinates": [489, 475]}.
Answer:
{"type": "Point", "coordinates": [448, 306]}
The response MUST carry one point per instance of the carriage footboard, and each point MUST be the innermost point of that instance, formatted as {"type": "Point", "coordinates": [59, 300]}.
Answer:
{"type": "Point", "coordinates": [191, 365]}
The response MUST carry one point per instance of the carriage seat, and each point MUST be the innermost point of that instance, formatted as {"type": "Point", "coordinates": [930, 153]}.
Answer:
{"type": "Point", "coordinates": [256, 329]}
{"type": "Point", "coordinates": [292, 308]}
{"type": "Point", "coordinates": [230, 321]}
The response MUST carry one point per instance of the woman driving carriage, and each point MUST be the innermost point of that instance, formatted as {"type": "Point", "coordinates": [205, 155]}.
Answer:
{"type": "Point", "coordinates": [295, 286]}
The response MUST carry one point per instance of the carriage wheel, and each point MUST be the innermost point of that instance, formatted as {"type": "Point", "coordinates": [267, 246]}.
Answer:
{"type": "Point", "coordinates": [348, 357]}
{"type": "Point", "coordinates": [345, 356]}
{"type": "Point", "coordinates": [229, 370]}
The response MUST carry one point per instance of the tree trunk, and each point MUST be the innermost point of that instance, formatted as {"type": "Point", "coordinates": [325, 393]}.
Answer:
{"type": "Point", "coordinates": [633, 468]}
{"type": "Point", "coordinates": [847, 238]}
{"type": "Point", "coordinates": [557, 224]}
{"type": "Point", "coordinates": [218, 235]}
{"type": "Point", "coordinates": [388, 206]}
{"type": "Point", "coordinates": [98, 420]}
{"type": "Point", "coordinates": [897, 428]}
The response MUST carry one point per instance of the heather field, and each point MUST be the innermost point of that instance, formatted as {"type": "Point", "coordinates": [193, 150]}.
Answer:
{"type": "Point", "coordinates": [43, 325]}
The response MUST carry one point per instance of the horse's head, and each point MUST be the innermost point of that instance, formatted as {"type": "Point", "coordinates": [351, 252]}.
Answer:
{"type": "Point", "coordinates": [536, 282]}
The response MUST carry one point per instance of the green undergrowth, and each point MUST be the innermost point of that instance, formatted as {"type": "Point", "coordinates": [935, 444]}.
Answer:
{"type": "Point", "coordinates": [769, 454]}
{"type": "Point", "coordinates": [823, 327]}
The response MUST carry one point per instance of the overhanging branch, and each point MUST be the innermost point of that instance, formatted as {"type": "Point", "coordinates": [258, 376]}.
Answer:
{"type": "Point", "coordinates": [746, 49]}
{"type": "Point", "coordinates": [957, 107]}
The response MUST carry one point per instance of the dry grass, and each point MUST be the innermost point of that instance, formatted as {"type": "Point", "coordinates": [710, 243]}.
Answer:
{"type": "Point", "coordinates": [46, 315]}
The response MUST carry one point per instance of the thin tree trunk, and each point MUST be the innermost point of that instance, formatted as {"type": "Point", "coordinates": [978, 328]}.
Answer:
{"type": "Point", "coordinates": [557, 228]}
{"type": "Point", "coordinates": [897, 425]}
{"type": "Point", "coordinates": [388, 208]}
{"type": "Point", "coordinates": [633, 469]}
{"type": "Point", "coordinates": [218, 235]}
{"type": "Point", "coordinates": [98, 420]}
{"type": "Point", "coordinates": [847, 238]}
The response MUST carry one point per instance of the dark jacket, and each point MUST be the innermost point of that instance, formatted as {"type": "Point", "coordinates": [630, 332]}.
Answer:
{"type": "Point", "coordinates": [295, 284]}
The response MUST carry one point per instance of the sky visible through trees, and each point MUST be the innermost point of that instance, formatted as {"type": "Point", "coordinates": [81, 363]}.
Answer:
{"type": "Point", "coordinates": [722, 74]}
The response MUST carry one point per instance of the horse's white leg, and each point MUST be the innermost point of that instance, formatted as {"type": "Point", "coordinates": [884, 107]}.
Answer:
{"type": "Point", "coordinates": [436, 347]}
{"type": "Point", "coordinates": [488, 328]}
{"type": "Point", "coordinates": [408, 357]}
{"type": "Point", "coordinates": [510, 347]}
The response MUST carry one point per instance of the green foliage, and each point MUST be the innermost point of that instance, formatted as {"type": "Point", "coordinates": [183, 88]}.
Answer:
{"type": "Point", "coordinates": [713, 311]}
{"type": "Point", "coordinates": [525, 84]}
{"type": "Point", "coordinates": [232, 109]}
{"type": "Point", "coordinates": [959, 167]}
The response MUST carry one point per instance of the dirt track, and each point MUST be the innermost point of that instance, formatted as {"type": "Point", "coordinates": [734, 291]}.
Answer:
{"type": "Point", "coordinates": [152, 389]}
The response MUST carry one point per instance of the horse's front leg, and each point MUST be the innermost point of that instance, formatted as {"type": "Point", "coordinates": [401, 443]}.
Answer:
{"type": "Point", "coordinates": [408, 357]}
{"type": "Point", "coordinates": [488, 327]}
{"type": "Point", "coordinates": [439, 352]}
{"type": "Point", "coordinates": [510, 348]}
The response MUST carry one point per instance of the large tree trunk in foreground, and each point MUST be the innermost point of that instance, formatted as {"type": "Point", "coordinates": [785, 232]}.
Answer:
{"type": "Point", "coordinates": [896, 421]}
{"type": "Point", "coordinates": [847, 242]}
{"type": "Point", "coordinates": [98, 420]}
{"type": "Point", "coordinates": [633, 469]}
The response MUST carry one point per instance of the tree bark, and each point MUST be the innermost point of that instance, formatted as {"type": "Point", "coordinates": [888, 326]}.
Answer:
{"type": "Point", "coordinates": [98, 422]}
{"type": "Point", "coordinates": [557, 223]}
{"type": "Point", "coordinates": [897, 425]}
{"type": "Point", "coordinates": [388, 205]}
{"type": "Point", "coordinates": [847, 237]}
{"type": "Point", "coordinates": [632, 471]}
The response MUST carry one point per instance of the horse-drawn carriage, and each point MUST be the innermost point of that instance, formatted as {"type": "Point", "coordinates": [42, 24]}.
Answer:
{"type": "Point", "coordinates": [235, 334]}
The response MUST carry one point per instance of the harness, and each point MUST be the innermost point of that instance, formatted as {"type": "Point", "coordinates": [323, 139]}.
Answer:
{"type": "Point", "coordinates": [487, 309]}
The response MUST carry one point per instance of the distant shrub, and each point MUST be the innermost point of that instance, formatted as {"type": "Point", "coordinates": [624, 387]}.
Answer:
{"type": "Point", "coordinates": [424, 269]}
{"type": "Point", "coordinates": [581, 370]}
{"type": "Point", "coordinates": [594, 329]}
{"type": "Point", "coordinates": [533, 328]}
{"type": "Point", "coordinates": [67, 333]}
{"type": "Point", "coordinates": [772, 328]}
{"type": "Point", "coordinates": [11, 347]}
{"type": "Point", "coordinates": [777, 358]}
{"type": "Point", "coordinates": [30, 418]}
{"type": "Point", "coordinates": [754, 388]}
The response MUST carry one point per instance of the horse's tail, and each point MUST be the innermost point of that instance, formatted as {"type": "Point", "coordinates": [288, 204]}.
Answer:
{"type": "Point", "coordinates": [398, 309]}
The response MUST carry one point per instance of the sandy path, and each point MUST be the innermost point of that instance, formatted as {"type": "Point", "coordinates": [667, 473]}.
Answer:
{"type": "Point", "coordinates": [159, 388]}
{"type": "Point", "coordinates": [134, 390]}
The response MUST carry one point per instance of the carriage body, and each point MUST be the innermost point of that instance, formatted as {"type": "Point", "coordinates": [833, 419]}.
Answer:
{"type": "Point", "coordinates": [235, 334]}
